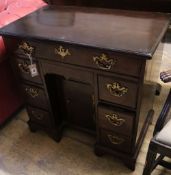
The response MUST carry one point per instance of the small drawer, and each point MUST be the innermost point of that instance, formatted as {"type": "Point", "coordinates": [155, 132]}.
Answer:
{"type": "Point", "coordinates": [89, 57]}
{"type": "Point", "coordinates": [117, 91]}
{"type": "Point", "coordinates": [39, 116]}
{"type": "Point", "coordinates": [35, 96]}
{"type": "Point", "coordinates": [115, 141]}
{"type": "Point", "coordinates": [116, 120]}
{"type": "Point", "coordinates": [22, 67]}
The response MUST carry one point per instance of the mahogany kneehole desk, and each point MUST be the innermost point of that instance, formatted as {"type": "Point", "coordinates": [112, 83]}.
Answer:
{"type": "Point", "coordinates": [95, 73]}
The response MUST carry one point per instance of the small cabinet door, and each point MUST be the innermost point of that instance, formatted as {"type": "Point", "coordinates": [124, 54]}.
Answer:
{"type": "Point", "coordinates": [79, 104]}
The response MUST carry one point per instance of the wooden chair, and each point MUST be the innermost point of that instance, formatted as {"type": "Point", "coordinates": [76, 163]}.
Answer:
{"type": "Point", "coordinates": [160, 144]}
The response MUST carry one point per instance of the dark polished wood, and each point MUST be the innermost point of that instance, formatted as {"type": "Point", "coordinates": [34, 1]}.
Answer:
{"type": "Point", "coordinates": [38, 116]}
{"type": "Point", "coordinates": [145, 5]}
{"type": "Point", "coordinates": [94, 28]}
{"type": "Point", "coordinates": [23, 70]}
{"type": "Point", "coordinates": [93, 73]}
{"type": "Point", "coordinates": [116, 119]}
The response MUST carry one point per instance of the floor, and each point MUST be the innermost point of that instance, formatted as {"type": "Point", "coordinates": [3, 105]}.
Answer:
{"type": "Point", "coordinates": [26, 153]}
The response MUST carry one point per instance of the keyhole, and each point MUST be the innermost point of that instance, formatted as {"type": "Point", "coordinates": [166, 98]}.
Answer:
{"type": "Point", "coordinates": [68, 101]}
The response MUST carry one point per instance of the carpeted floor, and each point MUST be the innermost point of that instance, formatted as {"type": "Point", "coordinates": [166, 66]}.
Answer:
{"type": "Point", "coordinates": [26, 153]}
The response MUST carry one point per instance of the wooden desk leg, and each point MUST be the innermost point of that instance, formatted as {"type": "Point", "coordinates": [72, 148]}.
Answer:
{"type": "Point", "coordinates": [33, 128]}
{"type": "Point", "coordinates": [158, 89]}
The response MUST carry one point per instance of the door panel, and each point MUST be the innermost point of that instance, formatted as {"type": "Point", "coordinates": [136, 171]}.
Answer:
{"type": "Point", "coordinates": [79, 104]}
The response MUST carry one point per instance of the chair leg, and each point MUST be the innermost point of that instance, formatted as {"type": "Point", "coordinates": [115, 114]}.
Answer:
{"type": "Point", "coordinates": [150, 160]}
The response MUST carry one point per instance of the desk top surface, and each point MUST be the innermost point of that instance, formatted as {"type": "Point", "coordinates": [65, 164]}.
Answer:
{"type": "Point", "coordinates": [117, 30]}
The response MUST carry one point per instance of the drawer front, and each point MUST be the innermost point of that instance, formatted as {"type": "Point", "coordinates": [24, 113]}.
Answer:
{"type": "Point", "coordinates": [115, 120]}
{"type": "Point", "coordinates": [117, 91]}
{"type": "Point", "coordinates": [88, 57]}
{"type": "Point", "coordinates": [22, 67]}
{"type": "Point", "coordinates": [39, 116]}
{"type": "Point", "coordinates": [68, 72]}
{"type": "Point", "coordinates": [35, 96]}
{"type": "Point", "coordinates": [115, 141]}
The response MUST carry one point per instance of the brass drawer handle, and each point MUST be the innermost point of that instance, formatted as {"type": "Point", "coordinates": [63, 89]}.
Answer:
{"type": "Point", "coordinates": [26, 48]}
{"type": "Point", "coordinates": [24, 67]}
{"type": "Point", "coordinates": [62, 52]}
{"type": "Point", "coordinates": [115, 120]}
{"type": "Point", "coordinates": [115, 140]}
{"type": "Point", "coordinates": [116, 89]}
{"type": "Point", "coordinates": [37, 115]}
{"type": "Point", "coordinates": [103, 62]}
{"type": "Point", "coordinates": [33, 92]}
